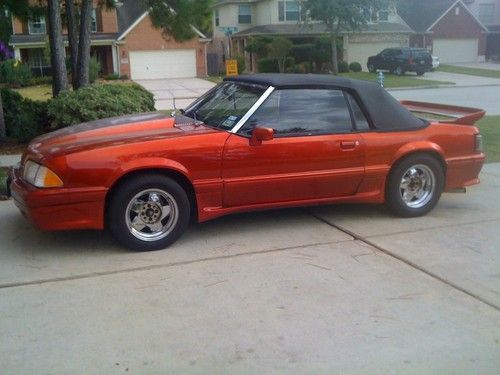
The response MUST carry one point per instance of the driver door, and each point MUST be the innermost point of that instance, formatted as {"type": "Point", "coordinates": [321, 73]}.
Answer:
{"type": "Point", "coordinates": [314, 153]}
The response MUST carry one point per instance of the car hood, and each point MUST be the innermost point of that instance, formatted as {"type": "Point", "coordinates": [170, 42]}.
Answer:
{"type": "Point", "coordinates": [113, 132]}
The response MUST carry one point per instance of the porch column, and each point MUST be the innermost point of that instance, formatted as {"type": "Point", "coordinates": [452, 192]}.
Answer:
{"type": "Point", "coordinates": [17, 53]}
{"type": "Point", "coordinates": [115, 59]}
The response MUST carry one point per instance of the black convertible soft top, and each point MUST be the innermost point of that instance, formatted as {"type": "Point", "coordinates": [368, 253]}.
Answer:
{"type": "Point", "coordinates": [385, 111]}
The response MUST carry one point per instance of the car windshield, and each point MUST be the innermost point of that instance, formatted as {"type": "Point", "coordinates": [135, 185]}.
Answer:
{"type": "Point", "coordinates": [226, 104]}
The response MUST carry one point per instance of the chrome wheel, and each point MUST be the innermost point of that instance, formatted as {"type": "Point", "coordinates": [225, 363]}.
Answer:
{"type": "Point", "coordinates": [417, 186]}
{"type": "Point", "coordinates": [151, 215]}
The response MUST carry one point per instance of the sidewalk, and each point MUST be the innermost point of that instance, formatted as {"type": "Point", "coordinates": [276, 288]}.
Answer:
{"type": "Point", "coordinates": [460, 80]}
{"type": "Point", "coordinates": [9, 160]}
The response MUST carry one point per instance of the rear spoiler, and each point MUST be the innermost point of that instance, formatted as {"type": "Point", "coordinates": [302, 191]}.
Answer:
{"type": "Point", "coordinates": [450, 114]}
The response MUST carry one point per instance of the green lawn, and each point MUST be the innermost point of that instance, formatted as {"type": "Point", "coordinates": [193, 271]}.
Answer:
{"type": "Point", "coordinates": [470, 71]}
{"type": "Point", "coordinates": [390, 81]}
{"type": "Point", "coordinates": [41, 92]}
{"type": "Point", "coordinates": [490, 129]}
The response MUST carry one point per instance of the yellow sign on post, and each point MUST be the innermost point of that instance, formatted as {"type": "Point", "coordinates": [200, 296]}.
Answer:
{"type": "Point", "coordinates": [231, 67]}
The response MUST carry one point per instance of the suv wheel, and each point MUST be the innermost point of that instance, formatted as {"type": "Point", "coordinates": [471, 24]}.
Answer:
{"type": "Point", "coordinates": [399, 71]}
{"type": "Point", "coordinates": [420, 72]}
{"type": "Point", "coordinates": [371, 68]}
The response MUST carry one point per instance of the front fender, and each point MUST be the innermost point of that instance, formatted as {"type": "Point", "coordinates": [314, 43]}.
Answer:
{"type": "Point", "coordinates": [147, 163]}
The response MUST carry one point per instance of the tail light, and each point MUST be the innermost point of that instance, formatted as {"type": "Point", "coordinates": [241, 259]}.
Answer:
{"type": "Point", "coordinates": [410, 61]}
{"type": "Point", "coordinates": [478, 143]}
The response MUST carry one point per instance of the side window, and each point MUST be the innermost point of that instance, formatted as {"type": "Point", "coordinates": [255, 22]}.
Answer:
{"type": "Point", "coordinates": [360, 120]}
{"type": "Point", "coordinates": [302, 112]}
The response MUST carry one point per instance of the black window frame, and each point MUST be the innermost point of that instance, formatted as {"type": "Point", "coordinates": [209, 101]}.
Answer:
{"type": "Point", "coordinates": [244, 19]}
{"type": "Point", "coordinates": [354, 128]}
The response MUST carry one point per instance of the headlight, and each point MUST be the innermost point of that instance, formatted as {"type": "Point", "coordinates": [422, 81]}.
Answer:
{"type": "Point", "coordinates": [40, 176]}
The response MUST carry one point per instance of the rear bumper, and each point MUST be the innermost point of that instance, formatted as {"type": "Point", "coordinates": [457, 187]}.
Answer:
{"type": "Point", "coordinates": [463, 171]}
{"type": "Point", "coordinates": [58, 208]}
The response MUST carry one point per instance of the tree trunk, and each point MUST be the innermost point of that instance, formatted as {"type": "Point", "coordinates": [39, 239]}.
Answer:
{"type": "Point", "coordinates": [333, 40]}
{"type": "Point", "coordinates": [84, 44]}
{"type": "Point", "coordinates": [59, 73]}
{"type": "Point", "coordinates": [72, 40]}
{"type": "Point", "coordinates": [3, 132]}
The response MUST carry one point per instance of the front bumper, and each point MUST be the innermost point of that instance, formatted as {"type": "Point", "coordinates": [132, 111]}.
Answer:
{"type": "Point", "coordinates": [58, 208]}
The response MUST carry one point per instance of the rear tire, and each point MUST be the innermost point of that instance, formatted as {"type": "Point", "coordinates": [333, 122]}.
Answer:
{"type": "Point", "coordinates": [149, 212]}
{"type": "Point", "coordinates": [420, 72]}
{"type": "Point", "coordinates": [414, 185]}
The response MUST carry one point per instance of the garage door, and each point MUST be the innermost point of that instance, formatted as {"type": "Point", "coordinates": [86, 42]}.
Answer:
{"type": "Point", "coordinates": [361, 51]}
{"type": "Point", "coordinates": [163, 64]}
{"type": "Point", "coordinates": [455, 50]}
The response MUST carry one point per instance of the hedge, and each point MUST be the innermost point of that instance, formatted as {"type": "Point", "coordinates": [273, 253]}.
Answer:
{"type": "Point", "coordinates": [98, 101]}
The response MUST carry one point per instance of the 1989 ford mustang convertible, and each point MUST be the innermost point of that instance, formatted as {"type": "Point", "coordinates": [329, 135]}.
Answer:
{"type": "Point", "coordinates": [253, 142]}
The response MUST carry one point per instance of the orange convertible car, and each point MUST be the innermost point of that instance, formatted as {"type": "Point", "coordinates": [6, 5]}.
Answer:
{"type": "Point", "coordinates": [252, 142]}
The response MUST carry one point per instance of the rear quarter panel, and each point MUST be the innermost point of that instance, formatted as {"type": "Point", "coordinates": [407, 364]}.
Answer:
{"type": "Point", "coordinates": [451, 143]}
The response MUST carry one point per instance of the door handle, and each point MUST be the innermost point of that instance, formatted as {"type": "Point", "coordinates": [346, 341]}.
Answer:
{"type": "Point", "coordinates": [348, 145]}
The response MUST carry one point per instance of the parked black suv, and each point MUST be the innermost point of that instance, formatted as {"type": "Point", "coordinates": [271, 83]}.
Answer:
{"type": "Point", "coordinates": [401, 60]}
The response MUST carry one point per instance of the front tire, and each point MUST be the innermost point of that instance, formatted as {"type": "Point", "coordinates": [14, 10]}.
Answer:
{"type": "Point", "coordinates": [148, 212]}
{"type": "Point", "coordinates": [399, 71]}
{"type": "Point", "coordinates": [371, 68]}
{"type": "Point", "coordinates": [415, 185]}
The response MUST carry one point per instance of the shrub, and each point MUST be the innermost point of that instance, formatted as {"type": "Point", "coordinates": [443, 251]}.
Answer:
{"type": "Point", "coordinates": [94, 69]}
{"type": "Point", "coordinates": [112, 77]}
{"type": "Point", "coordinates": [241, 63]}
{"type": "Point", "coordinates": [24, 118]}
{"type": "Point", "coordinates": [268, 65]}
{"type": "Point", "coordinates": [343, 67]}
{"type": "Point", "coordinates": [15, 73]}
{"type": "Point", "coordinates": [303, 52]}
{"type": "Point", "coordinates": [37, 81]}
{"type": "Point", "coordinates": [99, 101]}
{"type": "Point", "coordinates": [355, 67]}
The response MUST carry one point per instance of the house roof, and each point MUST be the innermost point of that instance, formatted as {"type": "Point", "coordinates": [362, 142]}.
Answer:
{"type": "Point", "coordinates": [421, 15]}
{"type": "Point", "coordinates": [128, 13]}
{"type": "Point", "coordinates": [298, 29]}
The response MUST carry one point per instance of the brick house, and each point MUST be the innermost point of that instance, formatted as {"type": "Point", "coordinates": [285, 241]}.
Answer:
{"type": "Point", "coordinates": [448, 28]}
{"type": "Point", "coordinates": [236, 21]}
{"type": "Point", "coordinates": [125, 42]}
{"type": "Point", "coordinates": [488, 12]}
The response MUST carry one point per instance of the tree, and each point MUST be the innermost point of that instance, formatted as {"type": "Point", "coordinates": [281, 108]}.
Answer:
{"type": "Point", "coordinates": [279, 50]}
{"type": "Point", "coordinates": [59, 73]}
{"type": "Point", "coordinates": [177, 17]}
{"type": "Point", "coordinates": [83, 63]}
{"type": "Point", "coordinates": [338, 16]}
{"type": "Point", "coordinates": [3, 132]}
{"type": "Point", "coordinates": [72, 26]}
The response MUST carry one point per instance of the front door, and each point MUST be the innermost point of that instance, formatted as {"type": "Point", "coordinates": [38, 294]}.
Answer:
{"type": "Point", "coordinates": [314, 154]}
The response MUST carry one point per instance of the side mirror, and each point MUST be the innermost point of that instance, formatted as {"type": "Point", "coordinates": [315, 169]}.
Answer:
{"type": "Point", "coordinates": [261, 134]}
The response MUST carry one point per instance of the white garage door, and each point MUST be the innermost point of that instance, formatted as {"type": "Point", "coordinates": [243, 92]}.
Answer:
{"type": "Point", "coordinates": [163, 64]}
{"type": "Point", "coordinates": [455, 50]}
{"type": "Point", "coordinates": [361, 51]}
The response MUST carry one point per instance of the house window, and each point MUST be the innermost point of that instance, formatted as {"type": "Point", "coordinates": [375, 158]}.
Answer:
{"type": "Point", "coordinates": [94, 21]}
{"type": "Point", "coordinates": [216, 17]}
{"type": "Point", "coordinates": [244, 13]}
{"type": "Point", "coordinates": [383, 15]}
{"type": "Point", "coordinates": [37, 25]}
{"type": "Point", "coordinates": [487, 13]}
{"type": "Point", "coordinates": [288, 11]}
{"type": "Point", "coordinates": [38, 62]}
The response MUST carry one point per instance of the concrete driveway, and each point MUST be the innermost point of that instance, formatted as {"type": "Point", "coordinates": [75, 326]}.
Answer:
{"type": "Point", "coordinates": [182, 90]}
{"type": "Point", "coordinates": [338, 289]}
